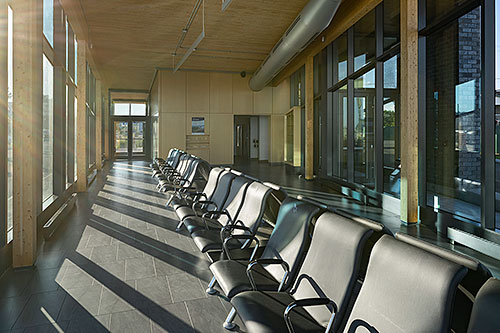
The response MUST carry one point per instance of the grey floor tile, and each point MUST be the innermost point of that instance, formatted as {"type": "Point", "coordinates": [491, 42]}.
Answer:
{"type": "Point", "coordinates": [41, 309]}
{"type": "Point", "coordinates": [43, 280]}
{"type": "Point", "coordinates": [170, 318]}
{"type": "Point", "coordinates": [139, 268]}
{"type": "Point", "coordinates": [76, 279]}
{"type": "Point", "coordinates": [116, 268]}
{"type": "Point", "coordinates": [49, 259]}
{"type": "Point", "coordinates": [155, 288]}
{"type": "Point", "coordinates": [207, 315]}
{"type": "Point", "coordinates": [98, 239]}
{"type": "Point", "coordinates": [96, 324]}
{"type": "Point", "coordinates": [57, 327]}
{"type": "Point", "coordinates": [126, 251]}
{"type": "Point", "coordinates": [185, 287]}
{"type": "Point", "coordinates": [13, 282]}
{"type": "Point", "coordinates": [10, 309]}
{"type": "Point", "coordinates": [164, 268]}
{"type": "Point", "coordinates": [130, 321]}
{"type": "Point", "coordinates": [81, 302]}
{"type": "Point", "coordinates": [116, 299]}
{"type": "Point", "coordinates": [102, 254]}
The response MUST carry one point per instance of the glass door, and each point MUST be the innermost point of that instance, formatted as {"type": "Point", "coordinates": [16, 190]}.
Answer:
{"type": "Point", "coordinates": [138, 129]}
{"type": "Point", "coordinates": [121, 139]}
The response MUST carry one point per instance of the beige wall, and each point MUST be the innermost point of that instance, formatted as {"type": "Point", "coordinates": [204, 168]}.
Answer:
{"type": "Point", "coordinates": [217, 97]}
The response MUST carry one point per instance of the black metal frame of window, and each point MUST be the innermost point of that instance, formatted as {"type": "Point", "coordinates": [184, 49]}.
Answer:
{"type": "Point", "coordinates": [328, 86]}
{"type": "Point", "coordinates": [441, 219]}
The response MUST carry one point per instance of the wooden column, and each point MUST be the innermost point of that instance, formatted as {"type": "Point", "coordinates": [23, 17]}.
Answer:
{"type": "Point", "coordinates": [309, 167]}
{"type": "Point", "coordinates": [98, 125]}
{"type": "Point", "coordinates": [81, 119]}
{"type": "Point", "coordinates": [409, 111]}
{"type": "Point", "coordinates": [3, 120]}
{"type": "Point", "coordinates": [27, 109]}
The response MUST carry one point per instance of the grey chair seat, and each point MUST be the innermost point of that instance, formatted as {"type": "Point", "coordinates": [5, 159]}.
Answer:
{"type": "Point", "coordinates": [195, 223]}
{"type": "Point", "coordinates": [233, 279]}
{"type": "Point", "coordinates": [186, 211]}
{"type": "Point", "coordinates": [263, 312]}
{"type": "Point", "coordinates": [208, 240]}
{"type": "Point", "coordinates": [178, 202]}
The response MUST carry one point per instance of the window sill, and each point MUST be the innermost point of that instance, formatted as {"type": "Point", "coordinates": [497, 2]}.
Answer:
{"type": "Point", "coordinates": [49, 201]}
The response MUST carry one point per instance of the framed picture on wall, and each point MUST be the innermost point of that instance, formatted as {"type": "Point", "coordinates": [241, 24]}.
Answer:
{"type": "Point", "coordinates": [198, 126]}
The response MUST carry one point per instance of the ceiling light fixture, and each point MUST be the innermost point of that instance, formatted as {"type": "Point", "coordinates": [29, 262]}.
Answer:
{"type": "Point", "coordinates": [184, 32]}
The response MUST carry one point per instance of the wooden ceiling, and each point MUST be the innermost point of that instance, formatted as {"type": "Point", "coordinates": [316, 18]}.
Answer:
{"type": "Point", "coordinates": [131, 38]}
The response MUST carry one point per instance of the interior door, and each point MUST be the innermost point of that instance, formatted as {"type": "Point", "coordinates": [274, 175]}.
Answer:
{"type": "Point", "coordinates": [242, 137]}
{"type": "Point", "coordinates": [121, 130]}
{"type": "Point", "coordinates": [138, 137]}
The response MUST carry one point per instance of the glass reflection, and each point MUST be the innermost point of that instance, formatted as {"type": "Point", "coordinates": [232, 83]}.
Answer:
{"type": "Point", "coordinates": [364, 129]}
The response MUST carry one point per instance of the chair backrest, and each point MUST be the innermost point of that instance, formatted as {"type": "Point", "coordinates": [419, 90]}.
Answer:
{"type": "Point", "coordinates": [171, 153]}
{"type": "Point", "coordinates": [477, 275]}
{"type": "Point", "coordinates": [332, 264]}
{"type": "Point", "coordinates": [290, 238]}
{"type": "Point", "coordinates": [485, 313]}
{"type": "Point", "coordinates": [274, 201]}
{"type": "Point", "coordinates": [239, 186]}
{"type": "Point", "coordinates": [252, 209]}
{"type": "Point", "coordinates": [222, 189]}
{"type": "Point", "coordinates": [213, 179]}
{"type": "Point", "coordinates": [238, 182]}
{"type": "Point", "coordinates": [190, 173]}
{"type": "Point", "coordinates": [406, 289]}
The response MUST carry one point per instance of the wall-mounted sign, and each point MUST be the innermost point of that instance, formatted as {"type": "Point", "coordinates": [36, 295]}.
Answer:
{"type": "Point", "coordinates": [198, 126]}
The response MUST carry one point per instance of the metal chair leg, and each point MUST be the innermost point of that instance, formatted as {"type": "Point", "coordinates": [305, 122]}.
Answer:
{"type": "Point", "coordinates": [211, 290]}
{"type": "Point", "coordinates": [179, 226]}
{"type": "Point", "coordinates": [228, 324]}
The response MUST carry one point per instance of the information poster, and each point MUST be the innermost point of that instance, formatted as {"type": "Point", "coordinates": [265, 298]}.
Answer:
{"type": "Point", "coordinates": [198, 126]}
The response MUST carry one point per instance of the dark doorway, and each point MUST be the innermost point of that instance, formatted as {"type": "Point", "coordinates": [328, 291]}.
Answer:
{"type": "Point", "coordinates": [242, 138]}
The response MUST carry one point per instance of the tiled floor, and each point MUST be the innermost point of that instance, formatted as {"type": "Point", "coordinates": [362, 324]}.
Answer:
{"type": "Point", "coordinates": [117, 264]}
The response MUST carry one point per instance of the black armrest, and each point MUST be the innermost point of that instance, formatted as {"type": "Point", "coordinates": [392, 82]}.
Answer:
{"type": "Point", "coordinates": [212, 213]}
{"type": "Point", "coordinates": [203, 202]}
{"type": "Point", "coordinates": [248, 237]}
{"type": "Point", "coordinates": [300, 303]}
{"type": "Point", "coordinates": [228, 228]}
{"type": "Point", "coordinates": [268, 261]}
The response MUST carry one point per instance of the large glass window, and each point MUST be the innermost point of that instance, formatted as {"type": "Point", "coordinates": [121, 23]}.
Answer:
{"type": "Point", "coordinates": [340, 56]}
{"type": "Point", "coordinates": [392, 149]}
{"type": "Point", "coordinates": [497, 112]}
{"type": "Point", "coordinates": [10, 126]}
{"type": "Point", "coordinates": [48, 129]}
{"type": "Point", "coordinates": [137, 109]}
{"type": "Point", "coordinates": [340, 133]}
{"type": "Point", "coordinates": [121, 109]}
{"type": "Point", "coordinates": [391, 23]}
{"type": "Point", "coordinates": [364, 40]}
{"type": "Point", "coordinates": [75, 117]}
{"type": "Point", "coordinates": [454, 117]}
{"type": "Point", "coordinates": [48, 21]}
{"type": "Point", "coordinates": [364, 129]}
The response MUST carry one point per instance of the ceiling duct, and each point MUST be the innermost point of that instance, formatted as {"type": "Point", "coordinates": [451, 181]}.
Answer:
{"type": "Point", "coordinates": [312, 20]}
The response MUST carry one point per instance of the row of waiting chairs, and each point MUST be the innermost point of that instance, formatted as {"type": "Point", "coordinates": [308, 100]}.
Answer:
{"type": "Point", "coordinates": [321, 269]}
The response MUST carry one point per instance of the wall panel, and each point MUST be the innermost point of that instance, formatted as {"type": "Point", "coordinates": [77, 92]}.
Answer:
{"type": "Point", "coordinates": [221, 139]}
{"type": "Point", "coordinates": [172, 132]}
{"type": "Point", "coordinates": [263, 101]}
{"type": "Point", "coordinates": [242, 96]}
{"type": "Point", "coordinates": [173, 90]}
{"type": "Point", "coordinates": [198, 92]}
{"type": "Point", "coordinates": [221, 93]}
